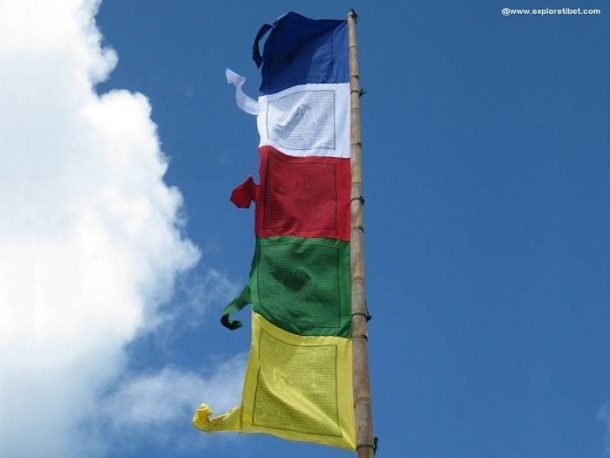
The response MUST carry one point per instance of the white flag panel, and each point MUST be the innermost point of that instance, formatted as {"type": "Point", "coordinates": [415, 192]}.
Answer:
{"type": "Point", "coordinates": [307, 120]}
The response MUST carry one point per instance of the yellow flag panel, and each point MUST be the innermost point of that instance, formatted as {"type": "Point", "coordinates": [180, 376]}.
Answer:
{"type": "Point", "coordinates": [296, 387]}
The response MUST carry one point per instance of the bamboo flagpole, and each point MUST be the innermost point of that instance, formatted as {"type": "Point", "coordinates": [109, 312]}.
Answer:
{"type": "Point", "coordinates": [362, 392]}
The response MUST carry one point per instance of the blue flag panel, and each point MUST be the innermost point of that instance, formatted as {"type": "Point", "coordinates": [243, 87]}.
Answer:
{"type": "Point", "coordinates": [301, 51]}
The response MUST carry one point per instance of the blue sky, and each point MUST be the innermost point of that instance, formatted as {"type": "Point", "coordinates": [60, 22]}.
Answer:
{"type": "Point", "coordinates": [486, 169]}
{"type": "Point", "coordinates": [486, 164]}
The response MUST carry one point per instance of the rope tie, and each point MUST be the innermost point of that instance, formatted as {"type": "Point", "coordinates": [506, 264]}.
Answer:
{"type": "Point", "coordinates": [365, 315]}
{"type": "Point", "coordinates": [360, 198]}
{"type": "Point", "coordinates": [374, 445]}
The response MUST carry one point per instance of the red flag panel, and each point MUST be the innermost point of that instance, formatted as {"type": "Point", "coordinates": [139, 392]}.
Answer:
{"type": "Point", "coordinates": [303, 196]}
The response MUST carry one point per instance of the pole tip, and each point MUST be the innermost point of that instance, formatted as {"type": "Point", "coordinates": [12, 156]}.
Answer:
{"type": "Point", "coordinates": [352, 13]}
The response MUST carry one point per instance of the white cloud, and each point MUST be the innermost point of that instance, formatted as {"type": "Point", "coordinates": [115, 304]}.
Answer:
{"type": "Point", "coordinates": [160, 405]}
{"type": "Point", "coordinates": [90, 236]}
{"type": "Point", "coordinates": [211, 288]}
{"type": "Point", "coordinates": [604, 417]}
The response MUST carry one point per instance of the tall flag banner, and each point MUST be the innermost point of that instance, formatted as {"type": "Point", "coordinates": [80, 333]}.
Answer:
{"type": "Point", "coordinates": [298, 383]}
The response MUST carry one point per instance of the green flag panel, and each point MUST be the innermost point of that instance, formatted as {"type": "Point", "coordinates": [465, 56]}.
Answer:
{"type": "Point", "coordinates": [302, 285]}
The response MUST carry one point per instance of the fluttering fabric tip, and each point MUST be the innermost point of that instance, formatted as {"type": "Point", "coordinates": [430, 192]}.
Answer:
{"type": "Point", "coordinates": [245, 102]}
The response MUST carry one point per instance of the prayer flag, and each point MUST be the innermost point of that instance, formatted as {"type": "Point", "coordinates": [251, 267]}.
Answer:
{"type": "Point", "coordinates": [298, 382]}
